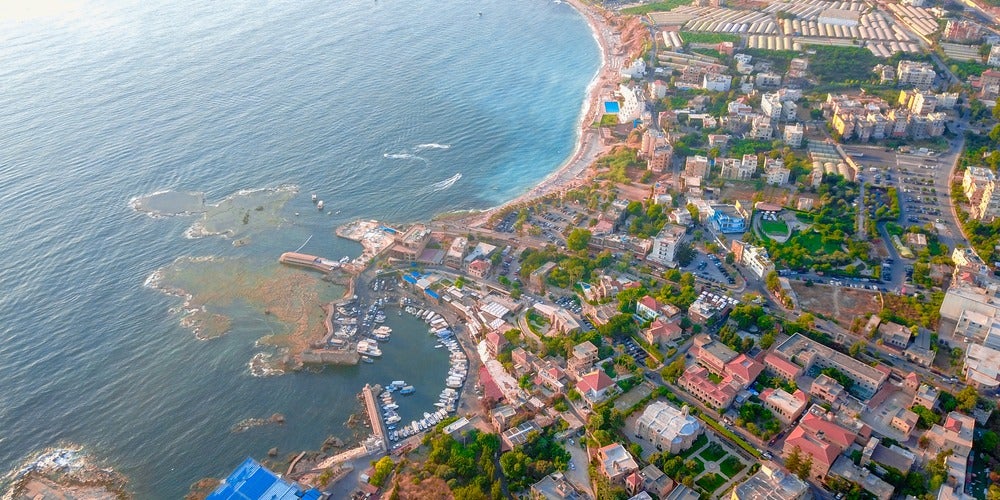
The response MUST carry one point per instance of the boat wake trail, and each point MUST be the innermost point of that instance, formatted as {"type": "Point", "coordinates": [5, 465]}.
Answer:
{"type": "Point", "coordinates": [447, 183]}
{"type": "Point", "coordinates": [431, 145]}
{"type": "Point", "coordinates": [404, 156]}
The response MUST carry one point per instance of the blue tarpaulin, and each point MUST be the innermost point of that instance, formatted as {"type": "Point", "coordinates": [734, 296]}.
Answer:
{"type": "Point", "coordinates": [253, 481]}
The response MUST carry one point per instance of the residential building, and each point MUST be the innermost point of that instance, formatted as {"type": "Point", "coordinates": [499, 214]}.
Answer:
{"type": "Point", "coordinates": [918, 74]}
{"type": "Point", "coordinates": [633, 103]}
{"type": "Point", "coordinates": [925, 396]}
{"type": "Point", "coordinates": [669, 429]}
{"type": "Point", "coordinates": [716, 82]}
{"type": "Point", "coordinates": [556, 487]}
{"type": "Point", "coordinates": [755, 259]}
{"type": "Point", "coordinates": [501, 417]}
{"type": "Point", "coordinates": [583, 357]}
{"type": "Point", "coordinates": [696, 166]}
{"type": "Point", "coordinates": [480, 268]}
{"type": "Point", "coordinates": [661, 333]}
{"type": "Point", "coordinates": [982, 367]}
{"type": "Point", "coordinates": [904, 421]}
{"type": "Point", "coordinates": [994, 57]}
{"type": "Point", "coordinates": [681, 216]}
{"type": "Point", "coordinates": [682, 492]}
{"type": "Point", "coordinates": [636, 69]}
{"type": "Point", "coordinates": [615, 462]}
{"type": "Point", "coordinates": [725, 219]}
{"type": "Point", "coordinates": [771, 482]}
{"type": "Point", "coordinates": [885, 73]}
{"type": "Point", "coordinates": [979, 185]}
{"type": "Point", "coordinates": [767, 80]}
{"type": "Point", "coordinates": [844, 468]}
{"type": "Point", "coordinates": [785, 407]}
{"type": "Point", "coordinates": [665, 245]}
{"type": "Point", "coordinates": [709, 307]}
{"type": "Point", "coordinates": [894, 334]}
{"type": "Point", "coordinates": [733, 168]}
{"type": "Point", "coordinates": [456, 252]}
{"type": "Point", "coordinates": [744, 370]}
{"type": "Point", "coordinates": [517, 436]}
{"type": "Point", "coordinates": [819, 437]}
{"type": "Point", "coordinates": [797, 67]}
{"type": "Point", "coordinates": [793, 135]}
{"type": "Point", "coordinates": [807, 352]}
{"type": "Point", "coordinates": [658, 89]}
{"type": "Point", "coordinates": [775, 172]}
{"type": "Point", "coordinates": [827, 389]}
{"type": "Point", "coordinates": [989, 84]}
{"type": "Point", "coordinates": [652, 480]}
{"type": "Point", "coordinates": [761, 128]}
{"type": "Point", "coordinates": [594, 386]}
{"type": "Point", "coordinates": [954, 434]}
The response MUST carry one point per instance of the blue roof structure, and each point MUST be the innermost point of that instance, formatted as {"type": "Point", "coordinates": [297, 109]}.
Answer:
{"type": "Point", "coordinates": [432, 294]}
{"type": "Point", "coordinates": [409, 279]}
{"type": "Point", "coordinates": [253, 481]}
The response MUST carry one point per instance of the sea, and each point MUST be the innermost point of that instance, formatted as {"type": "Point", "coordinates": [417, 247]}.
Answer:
{"type": "Point", "coordinates": [385, 109]}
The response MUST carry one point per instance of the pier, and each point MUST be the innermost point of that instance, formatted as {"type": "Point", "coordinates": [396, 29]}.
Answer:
{"type": "Point", "coordinates": [308, 261]}
{"type": "Point", "coordinates": [375, 415]}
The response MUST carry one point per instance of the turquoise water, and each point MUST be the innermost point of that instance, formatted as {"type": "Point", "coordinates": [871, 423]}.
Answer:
{"type": "Point", "coordinates": [385, 109]}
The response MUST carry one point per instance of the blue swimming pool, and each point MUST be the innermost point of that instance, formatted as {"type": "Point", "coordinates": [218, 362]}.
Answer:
{"type": "Point", "coordinates": [611, 107]}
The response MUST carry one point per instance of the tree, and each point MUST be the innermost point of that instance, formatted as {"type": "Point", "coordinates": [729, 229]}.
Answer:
{"type": "Point", "coordinates": [794, 460]}
{"type": "Point", "coordinates": [578, 239]}
{"type": "Point", "coordinates": [967, 399]}
{"type": "Point", "coordinates": [988, 442]}
{"type": "Point", "coordinates": [685, 254]}
{"type": "Point", "coordinates": [805, 468]}
{"type": "Point", "coordinates": [383, 467]}
{"type": "Point", "coordinates": [673, 371]}
{"type": "Point", "coordinates": [857, 348]}
{"type": "Point", "coordinates": [767, 340]}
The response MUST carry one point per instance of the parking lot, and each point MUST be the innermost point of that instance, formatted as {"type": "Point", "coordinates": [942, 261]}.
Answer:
{"type": "Point", "coordinates": [710, 268]}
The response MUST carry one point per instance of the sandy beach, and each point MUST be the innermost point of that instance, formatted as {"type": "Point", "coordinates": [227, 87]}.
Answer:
{"type": "Point", "coordinates": [574, 171]}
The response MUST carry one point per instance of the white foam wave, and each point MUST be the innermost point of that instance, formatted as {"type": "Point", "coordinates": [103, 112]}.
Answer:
{"type": "Point", "coordinates": [432, 145]}
{"type": "Point", "coordinates": [447, 183]}
{"type": "Point", "coordinates": [403, 156]}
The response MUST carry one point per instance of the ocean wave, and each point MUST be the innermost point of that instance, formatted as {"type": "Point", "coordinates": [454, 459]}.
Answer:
{"type": "Point", "coordinates": [261, 366]}
{"type": "Point", "coordinates": [403, 156]}
{"type": "Point", "coordinates": [431, 145]}
{"type": "Point", "coordinates": [447, 183]}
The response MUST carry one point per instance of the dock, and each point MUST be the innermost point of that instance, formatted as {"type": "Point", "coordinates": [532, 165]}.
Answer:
{"type": "Point", "coordinates": [375, 415]}
{"type": "Point", "coordinates": [308, 261]}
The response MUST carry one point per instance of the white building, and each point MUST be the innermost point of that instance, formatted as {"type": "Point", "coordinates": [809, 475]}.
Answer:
{"type": "Point", "coordinates": [771, 483]}
{"type": "Point", "coordinates": [918, 74]}
{"type": "Point", "coordinates": [665, 244]}
{"type": "Point", "coordinates": [839, 17]}
{"type": "Point", "coordinates": [716, 83]}
{"type": "Point", "coordinates": [982, 367]}
{"type": "Point", "coordinates": [770, 104]}
{"type": "Point", "coordinates": [669, 429]}
{"type": "Point", "coordinates": [761, 128]}
{"type": "Point", "coordinates": [994, 58]}
{"type": "Point", "coordinates": [775, 172]}
{"type": "Point", "coordinates": [793, 135]}
{"type": "Point", "coordinates": [635, 70]}
{"type": "Point", "coordinates": [756, 260]}
{"type": "Point", "coordinates": [633, 103]}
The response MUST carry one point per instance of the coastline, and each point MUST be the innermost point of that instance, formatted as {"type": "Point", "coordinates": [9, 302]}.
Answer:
{"type": "Point", "coordinates": [573, 171]}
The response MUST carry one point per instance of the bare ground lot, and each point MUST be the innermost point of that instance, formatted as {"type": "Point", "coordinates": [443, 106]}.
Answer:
{"type": "Point", "coordinates": [842, 304]}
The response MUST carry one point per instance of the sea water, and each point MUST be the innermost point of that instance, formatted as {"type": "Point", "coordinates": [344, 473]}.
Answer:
{"type": "Point", "coordinates": [385, 109]}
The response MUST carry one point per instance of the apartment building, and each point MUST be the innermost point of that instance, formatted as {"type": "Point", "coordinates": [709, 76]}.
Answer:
{"type": "Point", "coordinates": [918, 74]}
{"type": "Point", "coordinates": [809, 353]}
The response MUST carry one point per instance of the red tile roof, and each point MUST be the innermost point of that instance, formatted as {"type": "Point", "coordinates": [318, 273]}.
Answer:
{"type": "Point", "coordinates": [782, 363]}
{"type": "Point", "coordinates": [595, 381]}
{"type": "Point", "coordinates": [822, 452]}
{"type": "Point", "coordinates": [830, 431]}
{"type": "Point", "coordinates": [649, 302]}
{"type": "Point", "coordinates": [744, 368]}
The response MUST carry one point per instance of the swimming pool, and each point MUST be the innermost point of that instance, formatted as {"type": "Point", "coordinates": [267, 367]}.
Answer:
{"type": "Point", "coordinates": [611, 107]}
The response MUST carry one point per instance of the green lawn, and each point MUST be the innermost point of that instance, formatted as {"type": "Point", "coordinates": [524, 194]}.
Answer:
{"type": "Point", "coordinates": [775, 227]}
{"type": "Point", "coordinates": [609, 120]}
{"type": "Point", "coordinates": [698, 468]}
{"type": "Point", "coordinates": [813, 242]}
{"type": "Point", "coordinates": [713, 452]}
{"type": "Point", "coordinates": [655, 7]}
{"type": "Point", "coordinates": [731, 466]}
{"type": "Point", "coordinates": [710, 482]}
{"type": "Point", "coordinates": [698, 443]}
{"type": "Point", "coordinates": [716, 379]}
